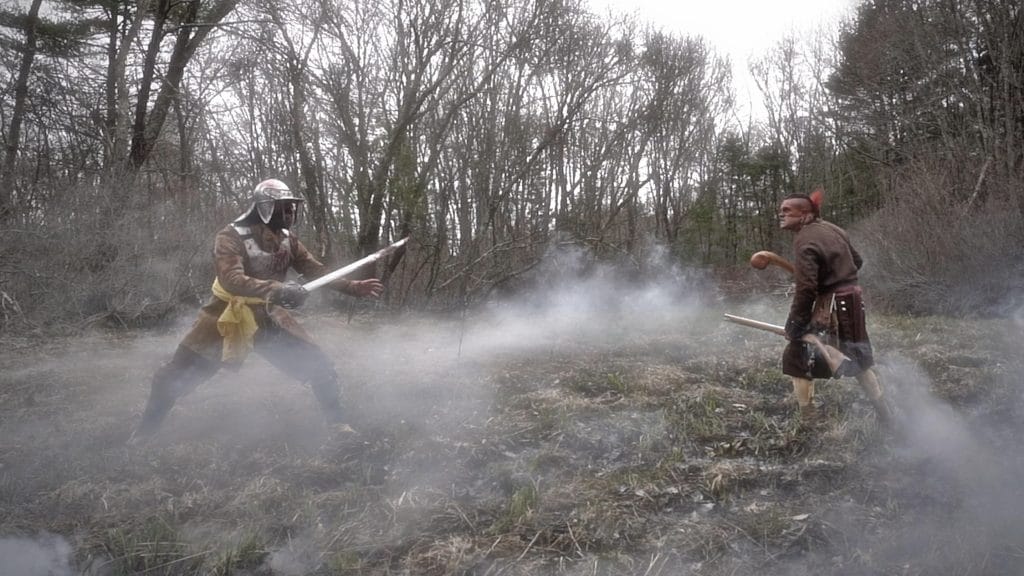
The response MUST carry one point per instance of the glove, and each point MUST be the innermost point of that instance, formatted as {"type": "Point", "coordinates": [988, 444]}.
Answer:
{"type": "Point", "coordinates": [795, 330]}
{"type": "Point", "coordinates": [289, 295]}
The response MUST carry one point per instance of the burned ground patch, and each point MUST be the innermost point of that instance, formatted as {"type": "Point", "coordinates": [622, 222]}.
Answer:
{"type": "Point", "coordinates": [484, 450]}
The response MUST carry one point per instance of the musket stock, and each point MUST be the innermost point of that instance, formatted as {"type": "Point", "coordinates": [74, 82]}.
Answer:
{"type": "Point", "coordinates": [832, 355]}
{"type": "Point", "coordinates": [773, 328]}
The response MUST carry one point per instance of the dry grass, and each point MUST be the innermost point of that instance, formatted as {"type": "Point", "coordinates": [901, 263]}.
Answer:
{"type": "Point", "coordinates": [668, 452]}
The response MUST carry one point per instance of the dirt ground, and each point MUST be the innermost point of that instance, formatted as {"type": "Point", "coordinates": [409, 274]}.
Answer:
{"type": "Point", "coordinates": [557, 440]}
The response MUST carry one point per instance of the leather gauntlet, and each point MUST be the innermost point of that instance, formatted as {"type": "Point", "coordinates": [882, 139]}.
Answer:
{"type": "Point", "coordinates": [289, 295]}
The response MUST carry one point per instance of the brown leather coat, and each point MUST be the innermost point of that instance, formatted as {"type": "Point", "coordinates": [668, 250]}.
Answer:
{"type": "Point", "coordinates": [252, 260]}
{"type": "Point", "coordinates": [825, 261]}
{"type": "Point", "coordinates": [827, 298]}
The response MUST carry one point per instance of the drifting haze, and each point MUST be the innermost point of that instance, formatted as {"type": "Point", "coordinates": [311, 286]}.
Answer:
{"type": "Point", "coordinates": [572, 298]}
{"type": "Point", "coordinates": [47, 555]}
{"type": "Point", "coordinates": [965, 471]}
{"type": "Point", "coordinates": [426, 392]}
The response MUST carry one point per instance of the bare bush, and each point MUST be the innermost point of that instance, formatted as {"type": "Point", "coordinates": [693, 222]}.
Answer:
{"type": "Point", "coordinates": [126, 268]}
{"type": "Point", "coordinates": [930, 253]}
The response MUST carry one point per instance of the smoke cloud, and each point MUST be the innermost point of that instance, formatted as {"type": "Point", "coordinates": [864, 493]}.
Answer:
{"type": "Point", "coordinates": [571, 297]}
{"type": "Point", "coordinates": [960, 484]}
{"type": "Point", "coordinates": [45, 555]}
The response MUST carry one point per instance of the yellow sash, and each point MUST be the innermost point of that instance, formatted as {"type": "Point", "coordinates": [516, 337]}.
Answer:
{"type": "Point", "coordinates": [237, 324]}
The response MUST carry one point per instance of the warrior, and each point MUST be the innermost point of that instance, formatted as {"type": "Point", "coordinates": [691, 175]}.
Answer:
{"type": "Point", "coordinates": [249, 310]}
{"type": "Point", "coordinates": [827, 307]}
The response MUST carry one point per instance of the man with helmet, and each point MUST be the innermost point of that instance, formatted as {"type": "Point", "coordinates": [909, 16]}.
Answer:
{"type": "Point", "coordinates": [249, 309]}
{"type": "Point", "coordinates": [827, 304]}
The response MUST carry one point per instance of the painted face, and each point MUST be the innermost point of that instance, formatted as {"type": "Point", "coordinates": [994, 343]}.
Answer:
{"type": "Point", "coordinates": [793, 213]}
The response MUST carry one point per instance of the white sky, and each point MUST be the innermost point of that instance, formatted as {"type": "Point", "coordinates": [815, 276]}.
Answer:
{"type": "Point", "coordinates": [737, 28]}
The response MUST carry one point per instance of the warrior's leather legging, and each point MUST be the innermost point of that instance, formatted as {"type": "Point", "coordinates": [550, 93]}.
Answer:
{"type": "Point", "coordinates": [187, 370]}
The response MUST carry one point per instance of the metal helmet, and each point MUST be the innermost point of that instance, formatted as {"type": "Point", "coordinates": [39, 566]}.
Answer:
{"type": "Point", "coordinates": [266, 194]}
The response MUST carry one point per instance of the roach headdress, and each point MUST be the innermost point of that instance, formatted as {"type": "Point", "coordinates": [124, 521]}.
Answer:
{"type": "Point", "coordinates": [816, 199]}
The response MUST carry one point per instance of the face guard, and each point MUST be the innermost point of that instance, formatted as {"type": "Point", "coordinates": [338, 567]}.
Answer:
{"type": "Point", "coordinates": [283, 213]}
{"type": "Point", "coordinates": [267, 196]}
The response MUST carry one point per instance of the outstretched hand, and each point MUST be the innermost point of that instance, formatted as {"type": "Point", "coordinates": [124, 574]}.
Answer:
{"type": "Point", "coordinates": [369, 287]}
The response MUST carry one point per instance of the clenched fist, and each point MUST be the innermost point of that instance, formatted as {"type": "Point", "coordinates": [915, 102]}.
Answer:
{"type": "Point", "coordinates": [289, 295]}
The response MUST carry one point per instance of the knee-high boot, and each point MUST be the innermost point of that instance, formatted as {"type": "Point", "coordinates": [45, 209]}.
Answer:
{"type": "Point", "coordinates": [182, 374]}
{"type": "Point", "coordinates": [325, 388]}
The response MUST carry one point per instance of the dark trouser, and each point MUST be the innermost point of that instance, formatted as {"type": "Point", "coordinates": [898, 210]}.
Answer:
{"type": "Point", "coordinates": [188, 369]}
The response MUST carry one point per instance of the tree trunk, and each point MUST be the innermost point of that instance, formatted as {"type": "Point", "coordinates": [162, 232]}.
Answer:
{"type": "Point", "coordinates": [191, 34]}
{"type": "Point", "coordinates": [7, 180]}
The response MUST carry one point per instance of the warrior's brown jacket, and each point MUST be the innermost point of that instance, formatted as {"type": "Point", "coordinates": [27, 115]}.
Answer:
{"type": "Point", "coordinates": [825, 261]}
{"type": "Point", "coordinates": [827, 298]}
{"type": "Point", "coordinates": [253, 264]}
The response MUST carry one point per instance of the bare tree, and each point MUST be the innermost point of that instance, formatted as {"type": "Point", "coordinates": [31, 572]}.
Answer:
{"type": "Point", "coordinates": [189, 26]}
{"type": "Point", "coordinates": [13, 136]}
